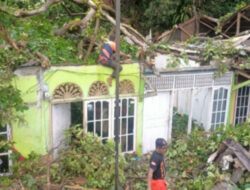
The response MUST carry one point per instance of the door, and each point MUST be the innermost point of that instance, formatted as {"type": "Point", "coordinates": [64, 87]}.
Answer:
{"type": "Point", "coordinates": [61, 115]}
{"type": "Point", "coordinates": [157, 114]}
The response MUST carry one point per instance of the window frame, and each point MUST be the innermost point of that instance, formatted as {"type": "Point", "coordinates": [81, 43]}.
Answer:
{"type": "Point", "coordinates": [8, 133]}
{"type": "Point", "coordinates": [245, 96]}
{"type": "Point", "coordinates": [122, 117]}
{"type": "Point", "coordinates": [111, 118]}
{"type": "Point", "coordinates": [85, 112]}
{"type": "Point", "coordinates": [214, 125]}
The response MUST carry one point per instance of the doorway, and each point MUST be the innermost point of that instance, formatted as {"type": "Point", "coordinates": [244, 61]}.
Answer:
{"type": "Point", "coordinates": [64, 116]}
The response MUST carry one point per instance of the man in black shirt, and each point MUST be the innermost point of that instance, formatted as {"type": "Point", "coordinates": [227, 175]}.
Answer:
{"type": "Point", "coordinates": [157, 170]}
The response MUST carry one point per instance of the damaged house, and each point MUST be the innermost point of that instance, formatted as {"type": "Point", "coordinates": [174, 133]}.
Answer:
{"type": "Point", "coordinates": [180, 82]}
{"type": "Point", "coordinates": [191, 85]}
{"type": "Point", "coordinates": [62, 96]}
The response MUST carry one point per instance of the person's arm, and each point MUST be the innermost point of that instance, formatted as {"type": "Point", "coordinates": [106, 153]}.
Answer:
{"type": "Point", "coordinates": [150, 176]}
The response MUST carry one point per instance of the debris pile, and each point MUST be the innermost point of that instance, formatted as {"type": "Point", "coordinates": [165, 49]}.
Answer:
{"type": "Point", "coordinates": [231, 156]}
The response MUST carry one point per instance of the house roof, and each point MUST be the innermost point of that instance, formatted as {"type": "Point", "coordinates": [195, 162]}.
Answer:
{"type": "Point", "coordinates": [196, 61]}
{"type": "Point", "coordinates": [184, 30]}
{"type": "Point", "coordinates": [237, 22]}
{"type": "Point", "coordinates": [234, 25]}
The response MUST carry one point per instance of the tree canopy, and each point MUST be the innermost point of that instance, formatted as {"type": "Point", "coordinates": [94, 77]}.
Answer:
{"type": "Point", "coordinates": [39, 32]}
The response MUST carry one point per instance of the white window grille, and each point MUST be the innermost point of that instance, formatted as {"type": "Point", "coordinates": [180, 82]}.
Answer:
{"type": "Point", "coordinates": [127, 124]}
{"type": "Point", "coordinates": [243, 95]}
{"type": "Point", "coordinates": [220, 98]}
{"type": "Point", "coordinates": [4, 155]}
{"type": "Point", "coordinates": [98, 119]}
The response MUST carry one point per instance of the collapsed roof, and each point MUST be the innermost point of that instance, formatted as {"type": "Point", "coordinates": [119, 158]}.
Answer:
{"type": "Point", "coordinates": [203, 25]}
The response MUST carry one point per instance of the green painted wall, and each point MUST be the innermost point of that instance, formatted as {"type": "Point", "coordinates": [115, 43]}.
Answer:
{"type": "Point", "coordinates": [28, 87]}
{"type": "Point", "coordinates": [139, 132]}
{"type": "Point", "coordinates": [30, 135]}
{"type": "Point", "coordinates": [34, 134]}
{"type": "Point", "coordinates": [84, 76]}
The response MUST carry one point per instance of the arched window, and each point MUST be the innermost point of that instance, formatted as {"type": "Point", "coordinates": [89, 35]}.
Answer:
{"type": "Point", "coordinates": [67, 90]}
{"type": "Point", "coordinates": [126, 87]}
{"type": "Point", "coordinates": [98, 88]}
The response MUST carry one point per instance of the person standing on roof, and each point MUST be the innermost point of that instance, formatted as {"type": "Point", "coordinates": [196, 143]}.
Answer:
{"type": "Point", "coordinates": [157, 169]}
{"type": "Point", "coordinates": [106, 57]}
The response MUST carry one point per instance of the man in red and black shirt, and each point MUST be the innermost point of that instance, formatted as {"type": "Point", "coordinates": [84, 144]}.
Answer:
{"type": "Point", "coordinates": [106, 57]}
{"type": "Point", "coordinates": [157, 170]}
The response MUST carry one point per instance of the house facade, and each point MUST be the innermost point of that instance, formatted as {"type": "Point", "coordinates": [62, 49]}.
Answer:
{"type": "Point", "coordinates": [191, 91]}
{"type": "Point", "coordinates": [63, 96]}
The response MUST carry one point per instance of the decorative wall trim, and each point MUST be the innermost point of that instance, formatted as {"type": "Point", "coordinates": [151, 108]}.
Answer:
{"type": "Point", "coordinates": [187, 81]}
{"type": "Point", "coordinates": [98, 88]}
{"type": "Point", "coordinates": [126, 87]}
{"type": "Point", "coordinates": [67, 90]}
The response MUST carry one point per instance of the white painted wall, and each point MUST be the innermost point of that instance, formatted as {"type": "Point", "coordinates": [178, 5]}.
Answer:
{"type": "Point", "coordinates": [182, 102]}
{"type": "Point", "coordinates": [157, 115]}
{"type": "Point", "coordinates": [61, 117]}
{"type": "Point", "coordinates": [201, 104]}
{"type": "Point", "coordinates": [161, 62]}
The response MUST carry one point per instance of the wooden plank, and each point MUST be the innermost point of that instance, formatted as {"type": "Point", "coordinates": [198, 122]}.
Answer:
{"type": "Point", "coordinates": [236, 175]}
{"type": "Point", "coordinates": [245, 17]}
{"type": "Point", "coordinates": [225, 35]}
{"type": "Point", "coordinates": [243, 74]}
{"type": "Point", "coordinates": [238, 23]}
{"type": "Point", "coordinates": [185, 31]}
{"type": "Point", "coordinates": [233, 23]}
{"type": "Point", "coordinates": [240, 152]}
{"type": "Point", "coordinates": [197, 22]}
{"type": "Point", "coordinates": [207, 25]}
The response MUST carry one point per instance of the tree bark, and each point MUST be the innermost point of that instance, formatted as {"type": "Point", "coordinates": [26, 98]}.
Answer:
{"type": "Point", "coordinates": [124, 31]}
{"type": "Point", "coordinates": [8, 39]}
{"type": "Point", "coordinates": [93, 39]}
{"type": "Point", "coordinates": [43, 8]}
{"type": "Point", "coordinates": [83, 23]}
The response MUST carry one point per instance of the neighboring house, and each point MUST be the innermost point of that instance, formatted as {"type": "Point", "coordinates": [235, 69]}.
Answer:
{"type": "Point", "coordinates": [192, 89]}
{"type": "Point", "coordinates": [237, 23]}
{"type": "Point", "coordinates": [240, 101]}
{"type": "Point", "coordinates": [62, 96]}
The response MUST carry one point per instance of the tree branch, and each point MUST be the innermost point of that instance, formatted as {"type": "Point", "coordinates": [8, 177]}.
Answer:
{"type": "Point", "coordinates": [83, 23]}
{"type": "Point", "coordinates": [3, 10]}
{"type": "Point", "coordinates": [8, 39]}
{"type": "Point", "coordinates": [45, 62]}
{"type": "Point", "coordinates": [93, 39]}
{"type": "Point", "coordinates": [43, 8]}
{"type": "Point", "coordinates": [139, 42]}
{"type": "Point", "coordinates": [69, 12]}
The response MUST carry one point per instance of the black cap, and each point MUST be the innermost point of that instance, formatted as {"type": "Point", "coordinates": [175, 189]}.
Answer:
{"type": "Point", "coordinates": [160, 142]}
